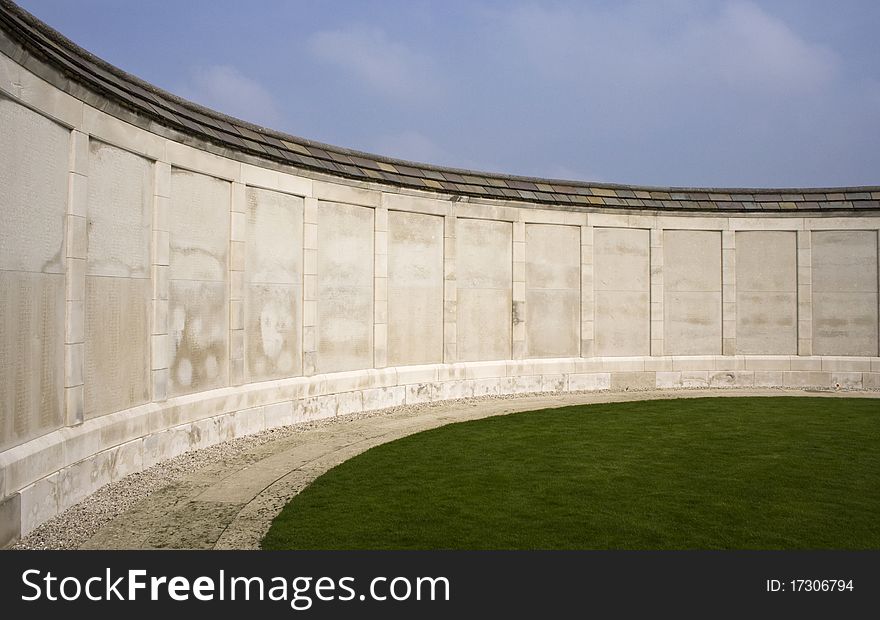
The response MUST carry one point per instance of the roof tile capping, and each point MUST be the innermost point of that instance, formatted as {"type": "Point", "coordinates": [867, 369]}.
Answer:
{"type": "Point", "coordinates": [70, 68]}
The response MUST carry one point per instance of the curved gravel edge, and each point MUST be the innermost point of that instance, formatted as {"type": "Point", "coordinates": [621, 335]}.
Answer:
{"type": "Point", "coordinates": [77, 524]}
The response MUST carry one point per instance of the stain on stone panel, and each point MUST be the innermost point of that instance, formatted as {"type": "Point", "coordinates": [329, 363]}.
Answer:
{"type": "Point", "coordinates": [622, 284]}
{"type": "Point", "coordinates": [766, 292]}
{"type": "Point", "coordinates": [553, 293]}
{"type": "Point", "coordinates": [692, 289]}
{"type": "Point", "coordinates": [272, 331]}
{"type": "Point", "coordinates": [484, 274]}
{"type": "Point", "coordinates": [197, 331]}
{"type": "Point", "coordinates": [273, 295]}
{"type": "Point", "coordinates": [844, 277]}
{"type": "Point", "coordinates": [345, 287]}
{"type": "Point", "coordinates": [198, 324]}
{"type": "Point", "coordinates": [415, 288]}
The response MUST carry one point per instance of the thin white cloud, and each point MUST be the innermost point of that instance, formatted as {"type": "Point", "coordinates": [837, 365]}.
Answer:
{"type": "Point", "coordinates": [226, 89]}
{"type": "Point", "coordinates": [739, 46]}
{"type": "Point", "coordinates": [385, 67]}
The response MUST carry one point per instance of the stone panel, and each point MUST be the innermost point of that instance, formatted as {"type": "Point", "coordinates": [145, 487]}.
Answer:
{"type": "Point", "coordinates": [553, 291]}
{"type": "Point", "coordinates": [766, 292]}
{"type": "Point", "coordinates": [33, 200]}
{"type": "Point", "coordinates": [118, 293]}
{"type": "Point", "coordinates": [623, 326]}
{"type": "Point", "coordinates": [273, 295]}
{"type": "Point", "coordinates": [415, 288]}
{"type": "Point", "coordinates": [31, 355]}
{"type": "Point", "coordinates": [844, 276]}
{"type": "Point", "coordinates": [484, 271]}
{"type": "Point", "coordinates": [117, 352]}
{"type": "Point", "coordinates": [692, 292]}
{"type": "Point", "coordinates": [198, 297]}
{"type": "Point", "coordinates": [197, 330]}
{"type": "Point", "coordinates": [345, 287]}
{"type": "Point", "coordinates": [199, 226]}
{"type": "Point", "coordinates": [119, 212]}
{"type": "Point", "coordinates": [622, 284]}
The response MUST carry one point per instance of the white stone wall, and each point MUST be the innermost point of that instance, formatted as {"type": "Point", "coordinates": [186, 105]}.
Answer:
{"type": "Point", "coordinates": [157, 298]}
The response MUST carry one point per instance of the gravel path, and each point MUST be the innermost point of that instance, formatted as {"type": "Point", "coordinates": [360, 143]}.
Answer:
{"type": "Point", "coordinates": [225, 496]}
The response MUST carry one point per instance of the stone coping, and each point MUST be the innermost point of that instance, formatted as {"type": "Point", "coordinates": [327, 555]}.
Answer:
{"type": "Point", "coordinates": [79, 73]}
{"type": "Point", "coordinates": [43, 477]}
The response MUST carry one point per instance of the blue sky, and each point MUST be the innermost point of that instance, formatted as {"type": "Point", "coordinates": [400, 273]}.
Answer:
{"type": "Point", "coordinates": [663, 92]}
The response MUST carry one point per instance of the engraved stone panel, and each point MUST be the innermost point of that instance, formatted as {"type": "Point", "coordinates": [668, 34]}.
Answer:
{"type": "Point", "coordinates": [484, 274]}
{"type": "Point", "coordinates": [118, 292]}
{"type": "Point", "coordinates": [199, 226]}
{"type": "Point", "coordinates": [197, 331]}
{"type": "Point", "coordinates": [345, 287]}
{"type": "Point", "coordinates": [844, 292]}
{"type": "Point", "coordinates": [198, 309]}
{"type": "Point", "coordinates": [33, 177]}
{"type": "Point", "coordinates": [117, 351]}
{"type": "Point", "coordinates": [766, 292]}
{"type": "Point", "coordinates": [553, 290]}
{"type": "Point", "coordinates": [622, 287]}
{"type": "Point", "coordinates": [273, 295]}
{"type": "Point", "coordinates": [31, 355]}
{"type": "Point", "coordinates": [692, 289]}
{"type": "Point", "coordinates": [119, 212]}
{"type": "Point", "coordinates": [34, 155]}
{"type": "Point", "coordinates": [415, 288]}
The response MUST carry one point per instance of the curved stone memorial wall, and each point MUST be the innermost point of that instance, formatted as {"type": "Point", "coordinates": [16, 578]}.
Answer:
{"type": "Point", "coordinates": [171, 278]}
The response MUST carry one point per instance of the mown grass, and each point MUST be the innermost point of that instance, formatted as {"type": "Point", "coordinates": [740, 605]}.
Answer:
{"type": "Point", "coordinates": [706, 473]}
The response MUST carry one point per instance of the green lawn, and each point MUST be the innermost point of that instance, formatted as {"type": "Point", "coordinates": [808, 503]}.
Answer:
{"type": "Point", "coordinates": [706, 473]}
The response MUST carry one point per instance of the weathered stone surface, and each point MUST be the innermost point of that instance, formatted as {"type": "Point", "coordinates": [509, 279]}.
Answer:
{"type": "Point", "coordinates": [415, 288]}
{"type": "Point", "coordinates": [553, 292]}
{"type": "Point", "coordinates": [117, 346]}
{"type": "Point", "coordinates": [844, 292]}
{"type": "Point", "coordinates": [273, 290]}
{"type": "Point", "coordinates": [692, 287]}
{"type": "Point", "coordinates": [198, 297]}
{"type": "Point", "coordinates": [31, 355]}
{"type": "Point", "coordinates": [198, 336]}
{"type": "Point", "coordinates": [33, 175]}
{"type": "Point", "coordinates": [10, 520]}
{"type": "Point", "coordinates": [120, 211]}
{"type": "Point", "coordinates": [483, 277]}
{"type": "Point", "coordinates": [345, 287]}
{"type": "Point", "coordinates": [622, 291]}
{"type": "Point", "coordinates": [766, 292]}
